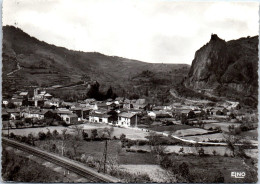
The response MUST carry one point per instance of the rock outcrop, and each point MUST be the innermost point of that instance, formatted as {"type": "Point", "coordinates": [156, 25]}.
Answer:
{"type": "Point", "coordinates": [231, 65]}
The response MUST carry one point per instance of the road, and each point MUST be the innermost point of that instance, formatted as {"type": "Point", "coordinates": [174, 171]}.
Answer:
{"type": "Point", "coordinates": [190, 141]}
{"type": "Point", "coordinates": [18, 68]}
{"type": "Point", "coordinates": [71, 165]}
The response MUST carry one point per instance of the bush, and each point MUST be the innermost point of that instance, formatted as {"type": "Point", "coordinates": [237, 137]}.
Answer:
{"type": "Point", "coordinates": [201, 152]}
{"type": "Point", "coordinates": [141, 151]}
{"type": "Point", "coordinates": [12, 135]}
{"type": "Point", "coordinates": [166, 162]}
{"type": "Point", "coordinates": [184, 170]}
{"type": "Point", "coordinates": [55, 133]}
{"type": "Point", "coordinates": [42, 136]}
{"type": "Point", "coordinates": [122, 137]}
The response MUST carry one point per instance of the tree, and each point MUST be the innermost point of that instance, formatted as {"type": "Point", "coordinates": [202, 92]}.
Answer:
{"type": "Point", "coordinates": [122, 137]}
{"type": "Point", "coordinates": [31, 139]}
{"type": "Point", "coordinates": [191, 115]}
{"type": "Point", "coordinates": [156, 146]}
{"type": "Point", "coordinates": [107, 132]}
{"type": "Point", "coordinates": [184, 120]}
{"type": "Point", "coordinates": [181, 150]}
{"type": "Point", "coordinates": [48, 134]}
{"type": "Point", "coordinates": [76, 144]}
{"type": "Point", "coordinates": [109, 93]}
{"type": "Point", "coordinates": [94, 134]}
{"type": "Point", "coordinates": [84, 135]}
{"type": "Point", "coordinates": [42, 136]}
{"type": "Point", "coordinates": [10, 105]}
{"type": "Point", "coordinates": [54, 148]}
{"type": "Point", "coordinates": [184, 170]}
{"type": "Point", "coordinates": [201, 152]}
{"type": "Point", "coordinates": [219, 178]}
{"type": "Point", "coordinates": [146, 92]}
{"type": "Point", "coordinates": [232, 141]}
{"type": "Point", "coordinates": [94, 91]}
{"type": "Point", "coordinates": [55, 134]}
{"type": "Point", "coordinates": [214, 152]}
{"type": "Point", "coordinates": [78, 130]}
{"type": "Point", "coordinates": [85, 78]}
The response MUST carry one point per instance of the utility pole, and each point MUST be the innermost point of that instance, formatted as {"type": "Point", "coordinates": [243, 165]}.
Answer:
{"type": "Point", "coordinates": [8, 127]}
{"type": "Point", "coordinates": [105, 155]}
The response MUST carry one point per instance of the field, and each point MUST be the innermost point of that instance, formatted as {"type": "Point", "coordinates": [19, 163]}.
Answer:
{"type": "Point", "coordinates": [190, 131]}
{"type": "Point", "coordinates": [95, 149]}
{"type": "Point", "coordinates": [251, 134]}
{"type": "Point", "coordinates": [39, 169]}
{"type": "Point", "coordinates": [205, 168]}
{"type": "Point", "coordinates": [35, 131]}
{"type": "Point", "coordinates": [155, 172]}
{"type": "Point", "coordinates": [170, 128]}
{"type": "Point", "coordinates": [222, 125]}
{"type": "Point", "coordinates": [130, 133]}
{"type": "Point", "coordinates": [206, 138]}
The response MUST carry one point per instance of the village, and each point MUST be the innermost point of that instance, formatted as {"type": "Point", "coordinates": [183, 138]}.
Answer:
{"type": "Point", "coordinates": [42, 109]}
{"type": "Point", "coordinates": [183, 128]}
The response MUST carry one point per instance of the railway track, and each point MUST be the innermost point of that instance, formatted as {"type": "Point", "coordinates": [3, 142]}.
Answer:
{"type": "Point", "coordinates": [79, 169]}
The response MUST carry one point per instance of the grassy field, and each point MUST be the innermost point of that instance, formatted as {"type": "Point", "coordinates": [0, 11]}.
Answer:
{"type": "Point", "coordinates": [130, 133]}
{"type": "Point", "coordinates": [18, 166]}
{"type": "Point", "coordinates": [206, 168]}
{"type": "Point", "coordinates": [206, 138]}
{"type": "Point", "coordinates": [223, 125]}
{"type": "Point", "coordinates": [251, 134]}
{"type": "Point", "coordinates": [171, 128]}
{"type": "Point", "coordinates": [95, 149]}
{"type": "Point", "coordinates": [155, 172]}
{"type": "Point", "coordinates": [35, 131]}
{"type": "Point", "coordinates": [190, 132]}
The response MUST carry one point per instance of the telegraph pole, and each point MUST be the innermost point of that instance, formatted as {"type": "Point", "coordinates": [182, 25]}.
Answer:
{"type": "Point", "coordinates": [8, 127]}
{"type": "Point", "coordinates": [136, 120]}
{"type": "Point", "coordinates": [105, 155]}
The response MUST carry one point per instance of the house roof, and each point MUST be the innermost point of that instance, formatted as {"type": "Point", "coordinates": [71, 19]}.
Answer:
{"type": "Point", "coordinates": [158, 108]}
{"type": "Point", "coordinates": [120, 98]}
{"type": "Point", "coordinates": [126, 115]}
{"type": "Point", "coordinates": [17, 100]}
{"type": "Point", "coordinates": [197, 112]}
{"type": "Point", "coordinates": [68, 103]}
{"type": "Point", "coordinates": [76, 108]}
{"type": "Point", "coordinates": [12, 110]}
{"type": "Point", "coordinates": [100, 115]}
{"type": "Point", "coordinates": [72, 115]}
{"type": "Point", "coordinates": [63, 112]}
{"type": "Point", "coordinates": [23, 93]}
{"type": "Point", "coordinates": [4, 112]}
{"type": "Point", "coordinates": [47, 94]}
{"type": "Point", "coordinates": [100, 111]}
{"type": "Point", "coordinates": [16, 114]}
{"type": "Point", "coordinates": [159, 112]}
{"type": "Point", "coordinates": [88, 100]}
{"type": "Point", "coordinates": [101, 104]}
{"type": "Point", "coordinates": [185, 111]}
{"type": "Point", "coordinates": [86, 109]}
{"type": "Point", "coordinates": [140, 101]}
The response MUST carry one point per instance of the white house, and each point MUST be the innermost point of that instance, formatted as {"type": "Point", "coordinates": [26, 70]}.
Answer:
{"type": "Point", "coordinates": [127, 119]}
{"type": "Point", "coordinates": [99, 118]}
{"type": "Point", "coordinates": [52, 102]}
{"type": "Point", "coordinates": [70, 118]}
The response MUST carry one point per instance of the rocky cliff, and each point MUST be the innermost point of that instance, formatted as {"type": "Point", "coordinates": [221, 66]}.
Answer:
{"type": "Point", "coordinates": [225, 65]}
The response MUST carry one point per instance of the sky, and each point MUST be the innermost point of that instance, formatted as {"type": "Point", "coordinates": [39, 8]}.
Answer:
{"type": "Point", "coordinates": [156, 31]}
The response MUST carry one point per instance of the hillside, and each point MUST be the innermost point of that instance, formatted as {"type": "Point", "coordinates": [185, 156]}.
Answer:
{"type": "Point", "coordinates": [226, 69]}
{"type": "Point", "coordinates": [41, 64]}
